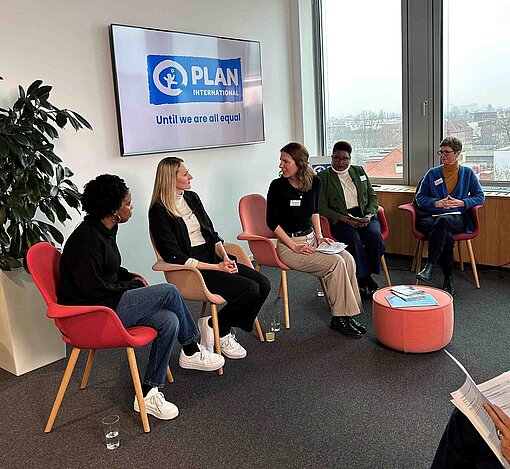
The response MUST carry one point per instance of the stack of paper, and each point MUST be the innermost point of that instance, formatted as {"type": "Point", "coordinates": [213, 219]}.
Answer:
{"type": "Point", "coordinates": [333, 248]}
{"type": "Point", "coordinates": [470, 398]}
{"type": "Point", "coordinates": [407, 292]}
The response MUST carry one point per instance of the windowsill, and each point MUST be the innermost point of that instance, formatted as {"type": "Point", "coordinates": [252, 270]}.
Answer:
{"type": "Point", "coordinates": [412, 189]}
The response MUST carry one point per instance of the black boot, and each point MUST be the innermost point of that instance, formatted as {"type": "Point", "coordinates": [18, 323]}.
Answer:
{"type": "Point", "coordinates": [448, 284]}
{"type": "Point", "coordinates": [357, 325]}
{"type": "Point", "coordinates": [342, 324]}
{"type": "Point", "coordinates": [426, 273]}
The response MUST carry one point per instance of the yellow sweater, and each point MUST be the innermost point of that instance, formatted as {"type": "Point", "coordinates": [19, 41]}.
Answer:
{"type": "Point", "coordinates": [451, 176]}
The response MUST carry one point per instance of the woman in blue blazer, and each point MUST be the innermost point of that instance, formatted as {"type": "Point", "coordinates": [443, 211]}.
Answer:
{"type": "Point", "coordinates": [444, 197]}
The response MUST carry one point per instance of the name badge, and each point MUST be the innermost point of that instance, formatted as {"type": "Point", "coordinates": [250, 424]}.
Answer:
{"type": "Point", "coordinates": [295, 203]}
{"type": "Point", "coordinates": [438, 181]}
{"type": "Point", "coordinates": [362, 178]}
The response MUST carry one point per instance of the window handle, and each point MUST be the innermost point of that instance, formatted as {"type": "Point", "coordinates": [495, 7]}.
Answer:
{"type": "Point", "coordinates": [424, 108]}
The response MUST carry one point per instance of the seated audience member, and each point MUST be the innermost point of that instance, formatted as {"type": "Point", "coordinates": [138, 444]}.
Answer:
{"type": "Point", "coordinates": [350, 204]}
{"type": "Point", "coordinates": [445, 195]}
{"type": "Point", "coordinates": [91, 274]}
{"type": "Point", "coordinates": [184, 234]}
{"type": "Point", "coordinates": [293, 214]}
{"type": "Point", "coordinates": [462, 447]}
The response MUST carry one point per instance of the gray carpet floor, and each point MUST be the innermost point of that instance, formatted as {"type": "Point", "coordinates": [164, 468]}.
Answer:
{"type": "Point", "coordinates": [310, 399]}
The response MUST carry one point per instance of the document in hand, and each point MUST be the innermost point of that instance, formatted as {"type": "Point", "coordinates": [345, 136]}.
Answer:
{"type": "Point", "coordinates": [455, 212]}
{"type": "Point", "coordinates": [361, 219]}
{"type": "Point", "coordinates": [333, 248]}
{"type": "Point", "coordinates": [469, 399]}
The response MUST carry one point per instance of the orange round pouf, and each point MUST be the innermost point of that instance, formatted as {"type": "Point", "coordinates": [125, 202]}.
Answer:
{"type": "Point", "coordinates": [416, 329]}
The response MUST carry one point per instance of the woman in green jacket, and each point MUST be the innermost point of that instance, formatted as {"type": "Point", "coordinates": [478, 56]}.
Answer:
{"type": "Point", "coordinates": [349, 202]}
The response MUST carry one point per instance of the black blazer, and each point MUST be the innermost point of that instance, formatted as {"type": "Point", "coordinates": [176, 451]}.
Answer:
{"type": "Point", "coordinates": [170, 234]}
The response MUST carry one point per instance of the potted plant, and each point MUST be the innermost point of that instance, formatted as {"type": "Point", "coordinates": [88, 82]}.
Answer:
{"type": "Point", "coordinates": [33, 180]}
{"type": "Point", "coordinates": [35, 192]}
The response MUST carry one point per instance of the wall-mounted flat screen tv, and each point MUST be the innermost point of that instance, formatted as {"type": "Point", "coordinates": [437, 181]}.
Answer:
{"type": "Point", "coordinates": [179, 91]}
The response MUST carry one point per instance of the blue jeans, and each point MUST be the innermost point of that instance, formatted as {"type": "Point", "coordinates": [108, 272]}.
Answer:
{"type": "Point", "coordinates": [162, 308]}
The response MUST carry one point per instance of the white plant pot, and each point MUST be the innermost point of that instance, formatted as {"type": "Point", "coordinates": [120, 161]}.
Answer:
{"type": "Point", "coordinates": [28, 339]}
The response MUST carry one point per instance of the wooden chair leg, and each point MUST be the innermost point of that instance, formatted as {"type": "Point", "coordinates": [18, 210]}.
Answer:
{"type": "Point", "coordinates": [259, 330]}
{"type": "Point", "coordinates": [421, 245]}
{"type": "Point", "coordinates": [415, 258]}
{"type": "Point", "coordinates": [203, 309]}
{"type": "Point", "coordinates": [88, 368]}
{"type": "Point", "coordinates": [473, 262]}
{"type": "Point", "coordinates": [138, 388]}
{"type": "Point", "coordinates": [386, 272]}
{"type": "Point", "coordinates": [216, 331]}
{"type": "Point", "coordinates": [323, 284]}
{"type": "Point", "coordinates": [283, 286]}
{"type": "Point", "coordinates": [257, 267]}
{"type": "Point", "coordinates": [62, 389]}
{"type": "Point", "coordinates": [169, 375]}
{"type": "Point", "coordinates": [461, 261]}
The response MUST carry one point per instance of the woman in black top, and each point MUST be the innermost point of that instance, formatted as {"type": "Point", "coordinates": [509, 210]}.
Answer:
{"type": "Point", "coordinates": [184, 234]}
{"type": "Point", "coordinates": [91, 274]}
{"type": "Point", "coordinates": [293, 214]}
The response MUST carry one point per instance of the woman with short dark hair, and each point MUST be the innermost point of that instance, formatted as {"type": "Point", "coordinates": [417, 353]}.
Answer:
{"type": "Point", "coordinates": [349, 202]}
{"type": "Point", "coordinates": [444, 196]}
{"type": "Point", "coordinates": [91, 274]}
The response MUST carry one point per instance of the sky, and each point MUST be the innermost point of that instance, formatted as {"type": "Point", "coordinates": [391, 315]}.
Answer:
{"type": "Point", "coordinates": [363, 54]}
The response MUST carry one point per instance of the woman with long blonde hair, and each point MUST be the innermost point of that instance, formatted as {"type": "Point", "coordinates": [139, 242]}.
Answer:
{"type": "Point", "coordinates": [293, 214]}
{"type": "Point", "coordinates": [184, 234]}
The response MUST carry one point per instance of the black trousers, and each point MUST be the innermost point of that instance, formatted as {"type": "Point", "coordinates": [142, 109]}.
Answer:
{"type": "Point", "coordinates": [364, 244]}
{"type": "Point", "coordinates": [462, 447]}
{"type": "Point", "coordinates": [244, 292]}
{"type": "Point", "coordinates": [440, 231]}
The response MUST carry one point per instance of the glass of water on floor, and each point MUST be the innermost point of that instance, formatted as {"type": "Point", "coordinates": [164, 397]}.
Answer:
{"type": "Point", "coordinates": [111, 431]}
{"type": "Point", "coordinates": [277, 322]}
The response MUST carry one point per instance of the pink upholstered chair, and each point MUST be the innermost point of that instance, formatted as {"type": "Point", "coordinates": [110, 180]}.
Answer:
{"type": "Point", "coordinates": [252, 212]}
{"type": "Point", "coordinates": [467, 237]}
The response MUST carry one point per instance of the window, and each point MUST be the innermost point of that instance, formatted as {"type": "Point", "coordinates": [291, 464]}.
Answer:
{"type": "Point", "coordinates": [362, 67]}
{"type": "Point", "coordinates": [476, 105]}
{"type": "Point", "coordinates": [400, 75]}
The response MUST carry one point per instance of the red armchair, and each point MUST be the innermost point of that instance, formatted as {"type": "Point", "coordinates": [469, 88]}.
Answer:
{"type": "Point", "coordinates": [85, 327]}
{"type": "Point", "coordinates": [467, 237]}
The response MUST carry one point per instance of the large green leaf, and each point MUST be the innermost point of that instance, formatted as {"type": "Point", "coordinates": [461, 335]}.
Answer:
{"type": "Point", "coordinates": [36, 84]}
{"type": "Point", "coordinates": [82, 120]}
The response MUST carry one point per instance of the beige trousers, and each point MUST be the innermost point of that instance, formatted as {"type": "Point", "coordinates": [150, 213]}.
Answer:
{"type": "Point", "coordinates": [337, 270]}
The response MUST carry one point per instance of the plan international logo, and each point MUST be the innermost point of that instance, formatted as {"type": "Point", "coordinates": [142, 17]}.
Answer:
{"type": "Point", "coordinates": [177, 80]}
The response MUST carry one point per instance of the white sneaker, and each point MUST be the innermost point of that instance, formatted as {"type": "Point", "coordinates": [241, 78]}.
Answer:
{"type": "Point", "coordinates": [155, 404]}
{"type": "Point", "coordinates": [206, 334]}
{"type": "Point", "coordinates": [202, 361]}
{"type": "Point", "coordinates": [231, 348]}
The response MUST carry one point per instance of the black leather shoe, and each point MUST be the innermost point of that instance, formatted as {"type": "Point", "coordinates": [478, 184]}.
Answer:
{"type": "Point", "coordinates": [448, 285]}
{"type": "Point", "coordinates": [372, 286]}
{"type": "Point", "coordinates": [426, 274]}
{"type": "Point", "coordinates": [357, 325]}
{"type": "Point", "coordinates": [342, 324]}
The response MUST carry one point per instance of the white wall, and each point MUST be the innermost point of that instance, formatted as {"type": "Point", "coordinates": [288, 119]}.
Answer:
{"type": "Point", "coordinates": [66, 44]}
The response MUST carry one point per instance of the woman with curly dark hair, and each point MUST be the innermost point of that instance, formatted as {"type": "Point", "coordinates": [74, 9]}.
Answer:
{"type": "Point", "coordinates": [91, 274]}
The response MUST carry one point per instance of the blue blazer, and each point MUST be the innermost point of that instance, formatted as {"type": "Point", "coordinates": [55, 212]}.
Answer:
{"type": "Point", "coordinates": [433, 188]}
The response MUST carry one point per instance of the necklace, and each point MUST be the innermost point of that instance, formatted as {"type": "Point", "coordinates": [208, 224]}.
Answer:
{"type": "Point", "coordinates": [300, 192]}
